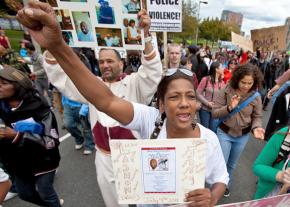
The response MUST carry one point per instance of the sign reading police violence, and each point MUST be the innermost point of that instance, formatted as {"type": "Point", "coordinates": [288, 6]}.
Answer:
{"type": "Point", "coordinates": [166, 15]}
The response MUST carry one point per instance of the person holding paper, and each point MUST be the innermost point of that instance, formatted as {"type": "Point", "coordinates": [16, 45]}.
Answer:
{"type": "Point", "coordinates": [138, 87]}
{"type": "Point", "coordinates": [29, 139]}
{"type": "Point", "coordinates": [176, 102]}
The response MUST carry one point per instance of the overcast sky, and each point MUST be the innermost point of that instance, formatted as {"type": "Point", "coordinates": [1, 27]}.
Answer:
{"type": "Point", "coordinates": [257, 13]}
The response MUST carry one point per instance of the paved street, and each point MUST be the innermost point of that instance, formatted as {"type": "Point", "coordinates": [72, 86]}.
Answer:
{"type": "Point", "coordinates": [76, 178]}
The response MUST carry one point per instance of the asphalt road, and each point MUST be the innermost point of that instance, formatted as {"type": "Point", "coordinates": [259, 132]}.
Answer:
{"type": "Point", "coordinates": [76, 181]}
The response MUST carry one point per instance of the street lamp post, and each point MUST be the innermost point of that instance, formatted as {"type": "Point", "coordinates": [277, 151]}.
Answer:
{"type": "Point", "coordinates": [198, 10]}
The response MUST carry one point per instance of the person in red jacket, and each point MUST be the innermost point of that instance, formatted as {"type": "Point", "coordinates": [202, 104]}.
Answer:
{"type": "Point", "coordinates": [229, 70]}
{"type": "Point", "coordinates": [4, 40]}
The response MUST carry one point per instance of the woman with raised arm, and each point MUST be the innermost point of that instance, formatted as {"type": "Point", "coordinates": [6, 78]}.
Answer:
{"type": "Point", "coordinates": [176, 102]}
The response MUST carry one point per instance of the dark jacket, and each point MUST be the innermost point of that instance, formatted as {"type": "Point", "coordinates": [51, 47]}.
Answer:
{"type": "Point", "coordinates": [279, 116]}
{"type": "Point", "coordinates": [30, 154]}
{"type": "Point", "coordinates": [271, 74]}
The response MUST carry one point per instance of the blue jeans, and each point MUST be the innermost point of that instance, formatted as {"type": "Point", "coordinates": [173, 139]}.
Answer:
{"type": "Point", "coordinates": [79, 130]}
{"type": "Point", "coordinates": [38, 189]}
{"type": "Point", "coordinates": [87, 132]}
{"type": "Point", "coordinates": [206, 119]}
{"type": "Point", "coordinates": [232, 148]}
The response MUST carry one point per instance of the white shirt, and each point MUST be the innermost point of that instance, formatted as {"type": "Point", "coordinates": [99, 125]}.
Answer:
{"type": "Point", "coordinates": [144, 122]}
{"type": "Point", "coordinates": [3, 176]}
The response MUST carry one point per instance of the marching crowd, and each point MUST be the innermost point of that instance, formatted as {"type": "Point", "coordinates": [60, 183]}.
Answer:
{"type": "Point", "coordinates": [219, 96]}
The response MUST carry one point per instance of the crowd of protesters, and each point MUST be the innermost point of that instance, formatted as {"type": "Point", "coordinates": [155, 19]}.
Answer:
{"type": "Point", "coordinates": [217, 95]}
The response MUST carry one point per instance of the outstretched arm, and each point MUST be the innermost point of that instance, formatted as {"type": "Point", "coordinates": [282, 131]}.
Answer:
{"type": "Point", "coordinates": [39, 18]}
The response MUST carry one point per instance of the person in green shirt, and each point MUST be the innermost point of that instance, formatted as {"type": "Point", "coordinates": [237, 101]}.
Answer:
{"type": "Point", "coordinates": [272, 175]}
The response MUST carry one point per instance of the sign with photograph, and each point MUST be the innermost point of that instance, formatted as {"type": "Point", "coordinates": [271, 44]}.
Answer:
{"type": "Point", "coordinates": [100, 23]}
{"type": "Point", "coordinates": [166, 16]}
{"type": "Point", "coordinates": [157, 171]}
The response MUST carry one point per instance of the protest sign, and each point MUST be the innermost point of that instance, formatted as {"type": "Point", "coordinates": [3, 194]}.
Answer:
{"type": "Point", "coordinates": [242, 42]}
{"type": "Point", "coordinates": [100, 23]}
{"type": "Point", "coordinates": [281, 200]}
{"type": "Point", "coordinates": [275, 201]}
{"type": "Point", "coordinates": [166, 15]}
{"type": "Point", "coordinates": [227, 44]}
{"type": "Point", "coordinates": [157, 171]}
{"type": "Point", "coordinates": [269, 39]}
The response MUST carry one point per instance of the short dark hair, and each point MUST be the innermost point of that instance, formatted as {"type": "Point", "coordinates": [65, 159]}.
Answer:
{"type": "Point", "coordinates": [247, 69]}
{"type": "Point", "coordinates": [114, 50]}
{"type": "Point", "coordinates": [29, 46]}
{"type": "Point", "coordinates": [166, 80]}
{"type": "Point", "coordinates": [131, 21]}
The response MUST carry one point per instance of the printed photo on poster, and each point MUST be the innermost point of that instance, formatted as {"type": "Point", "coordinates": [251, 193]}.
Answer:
{"type": "Point", "coordinates": [109, 37]}
{"type": "Point", "coordinates": [131, 6]}
{"type": "Point", "coordinates": [132, 34]}
{"type": "Point", "coordinates": [105, 12]}
{"type": "Point", "coordinates": [74, 0]}
{"type": "Point", "coordinates": [63, 18]}
{"type": "Point", "coordinates": [52, 3]}
{"type": "Point", "coordinates": [83, 26]}
{"type": "Point", "coordinates": [159, 169]}
{"type": "Point", "coordinates": [67, 36]}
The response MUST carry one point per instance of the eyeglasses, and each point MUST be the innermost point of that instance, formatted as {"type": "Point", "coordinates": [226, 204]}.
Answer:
{"type": "Point", "coordinates": [172, 71]}
{"type": "Point", "coordinates": [234, 63]}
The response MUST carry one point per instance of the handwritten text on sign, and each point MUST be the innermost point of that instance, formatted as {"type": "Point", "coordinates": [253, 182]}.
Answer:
{"type": "Point", "coordinates": [140, 166]}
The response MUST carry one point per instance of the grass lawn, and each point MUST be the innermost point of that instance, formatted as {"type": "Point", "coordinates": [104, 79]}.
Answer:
{"type": "Point", "coordinates": [15, 36]}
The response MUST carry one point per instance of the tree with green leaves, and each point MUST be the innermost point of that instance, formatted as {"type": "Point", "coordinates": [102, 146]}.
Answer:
{"type": "Point", "coordinates": [215, 29]}
{"type": "Point", "coordinates": [189, 22]}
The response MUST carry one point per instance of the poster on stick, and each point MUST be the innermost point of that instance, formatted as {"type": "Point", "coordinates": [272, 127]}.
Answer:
{"type": "Point", "coordinates": [100, 23]}
{"type": "Point", "coordinates": [166, 15]}
{"type": "Point", "coordinates": [242, 42]}
{"type": "Point", "coordinates": [269, 39]}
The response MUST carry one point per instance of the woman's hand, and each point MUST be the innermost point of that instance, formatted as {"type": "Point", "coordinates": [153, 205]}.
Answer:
{"type": "Point", "coordinates": [259, 133]}
{"type": "Point", "coordinates": [234, 102]}
{"type": "Point", "coordinates": [272, 91]}
{"type": "Point", "coordinates": [7, 132]}
{"type": "Point", "coordinates": [210, 104]}
{"type": "Point", "coordinates": [200, 197]}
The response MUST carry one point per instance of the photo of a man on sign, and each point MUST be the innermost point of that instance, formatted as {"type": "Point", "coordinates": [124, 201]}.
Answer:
{"type": "Point", "coordinates": [105, 12]}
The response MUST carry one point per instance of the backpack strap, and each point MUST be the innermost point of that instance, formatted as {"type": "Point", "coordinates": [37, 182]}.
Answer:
{"type": "Point", "coordinates": [281, 90]}
{"type": "Point", "coordinates": [284, 149]}
{"type": "Point", "coordinates": [239, 107]}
